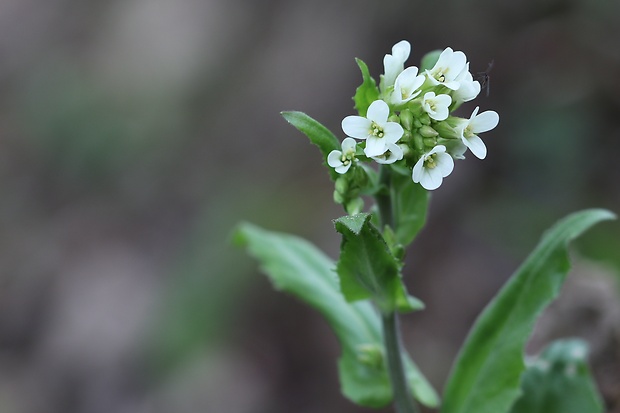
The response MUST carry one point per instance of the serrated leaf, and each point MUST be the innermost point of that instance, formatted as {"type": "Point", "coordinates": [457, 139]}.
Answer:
{"type": "Point", "coordinates": [367, 268]}
{"type": "Point", "coordinates": [429, 60]}
{"type": "Point", "coordinates": [318, 134]}
{"type": "Point", "coordinates": [485, 377]}
{"type": "Point", "coordinates": [297, 267]}
{"type": "Point", "coordinates": [559, 381]}
{"type": "Point", "coordinates": [409, 204]}
{"type": "Point", "coordinates": [367, 92]}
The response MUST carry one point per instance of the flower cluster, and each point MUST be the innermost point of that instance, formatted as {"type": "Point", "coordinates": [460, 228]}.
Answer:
{"type": "Point", "coordinates": [410, 123]}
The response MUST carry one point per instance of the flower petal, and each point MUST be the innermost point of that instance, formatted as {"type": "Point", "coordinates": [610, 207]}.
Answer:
{"type": "Point", "coordinates": [356, 126]}
{"type": "Point", "coordinates": [374, 146]}
{"type": "Point", "coordinates": [431, 179]}
{"type": "Point", "coordinates": [401, 50]}
{"type": "Point", "coordinates": [333, 159]}
{"type": "Point", "coordinates": [394, 153]}
{"type": "Point", "coordinates": [485, 121]}
{"type": "Point", "coordinates": [418, 169]}
{"type": "Point", "coordinates": [393, 132]}
{"type": "Point", "coordinates": [348, 144]}
{"type": "Point", "coordinates": [445, 164]}
{"type": "Point", "coordinates": [342, 169]}
{"type": "Point", "coordinates": [444, 59]}
{"type": "Point", "coordinates": [378, 111]}
{"type": "Point", "coordinates": [476, 146]}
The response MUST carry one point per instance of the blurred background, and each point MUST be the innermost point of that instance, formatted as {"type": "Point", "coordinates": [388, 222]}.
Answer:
{"type": "Point", "coordinates": [135, 134]}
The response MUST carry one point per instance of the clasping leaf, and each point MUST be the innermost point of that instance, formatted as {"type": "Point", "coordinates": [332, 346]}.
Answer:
{"type": "Point", "coordinates": [367, 268]}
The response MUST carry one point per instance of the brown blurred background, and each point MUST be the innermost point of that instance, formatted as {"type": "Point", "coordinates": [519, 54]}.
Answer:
{"type": "Point", "coordinates": [134, 135]}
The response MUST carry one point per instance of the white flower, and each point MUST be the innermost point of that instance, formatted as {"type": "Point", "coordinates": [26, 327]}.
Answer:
{"type": "Point", "coordinates": [436, 105]}
{"type": "Point", "coordinates": [469, 88]}
{"type": "Point", "coordinates": [469, 128]}
{"type": "Point", "coordinates": [341, 161]}
{"type": "Point", "coordinates": [432, 167]}
{"type": "Point", "coordinates": [449, 65]}
{"type": "Point", "coordinates": [406, 86]}
{"type": "Point", "coordinates": [394, 63]}
{"type": "Point", "coordinates": [394, 153]}
{"type": "Point", "coordinates": [375, 128]}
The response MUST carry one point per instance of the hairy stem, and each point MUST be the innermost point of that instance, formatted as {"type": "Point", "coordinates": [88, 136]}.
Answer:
{"type": "Point", "coordinates": [403, 400]}
{"type": "Point", "coordinates": [384, 202]}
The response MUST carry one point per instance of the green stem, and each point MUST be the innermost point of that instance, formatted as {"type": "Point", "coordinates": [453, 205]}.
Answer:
{"type": "Point", "coordinates": [403, 400]}
{"type": "Point", "coordinates": [384, 202]}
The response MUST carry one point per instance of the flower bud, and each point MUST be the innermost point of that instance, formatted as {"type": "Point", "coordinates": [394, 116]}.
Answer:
{"type": "Point", "coordinates": [418, 142]}
{"type": "Point", "coordinates": [430, 142]}
{"type": "Point", "coordinates": [406, 119]}
{"type": "Point", "coordinates": [428, 132]}
{"type": "Point", "coordinates": [445, 130]}
{"type": "Point", "coordinates": [371, 355]}
{"type": "Point", "coordinates": [354, 206]}
{"type": "Point", "coordinates": [338, 198]}
{"type": "Point", "coordinates": [342, 184]}
{"type": "Point", "coordinates": [425, 119]}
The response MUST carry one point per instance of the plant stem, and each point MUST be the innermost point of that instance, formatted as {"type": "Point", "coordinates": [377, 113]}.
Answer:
{"type": "Point", "coordinates": [403, 400]}
{"type": "Point", "coordinates": [384, 202]}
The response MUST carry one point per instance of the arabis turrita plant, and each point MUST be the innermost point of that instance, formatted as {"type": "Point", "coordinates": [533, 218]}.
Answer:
{"type": "Point", "coordinates": [404, 141]}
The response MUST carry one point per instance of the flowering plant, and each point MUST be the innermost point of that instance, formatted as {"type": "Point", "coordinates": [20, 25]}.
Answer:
{"type": "Point", "coordinates": [407, 127]}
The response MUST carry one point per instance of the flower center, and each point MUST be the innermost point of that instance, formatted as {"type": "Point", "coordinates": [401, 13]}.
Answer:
{"type": "Point", "coordinates": [347, 157]}
{"type": "Point", "coordinates": [429, 161]}
{"type": "Point", "coordinates": [440, 76]}
{"type": "Point", "coordinates": [468, 133]}
{"type": "Point", "coordinates": [376, 130]}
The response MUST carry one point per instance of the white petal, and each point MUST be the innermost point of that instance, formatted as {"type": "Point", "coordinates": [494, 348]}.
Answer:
{"type": "Point", "coordinates": [392, 132]}
{"type": "Point", "coordinates": [485, 121]}
{"type": "Point", "coordinates": [468, 91]}
{"type": "Point", "coordinates": [441, 113]}
{"type": "Point", "coordinates": [356, 127]}
{"type": "Point", "coordinates": [342, 169]}
{"type": "Point", "coordinates": [458, 151]}
{"type": "Point", "coordinates": [378, 111]}
{"type": "Point", "coordinates": [458, 60]}
{"type": "Point", "coordinates": [348, 144]}
{"type": "Point", "coordinates": [476, 146]}
{"type": "Point", "coordinates": [443, 100]}
{"type": "Point", "coordinates": [452, 84]}
{"type": "Point", "coordinates": [428, 96]}
{"type": "Point", "coordinates": [395, 154]}
{"type": "Point", "coordinates": [401, 50]}
{"type": "Point", "coordinates": [444, 59]}
{"type": "Point", "coordinates": [374, 146]}
{"type": "Point", "coordinates": [445, 164]}
{"type": "Point", "coordinates": [437, 149]}
{"type": "Point", "coordinates": [333, 159]}
{"type": "Point", "coordinates": [391, 68]}
{"type": "Point", "coordinates": [474, 113]}
{"type": "Point", "coordinates": [431, 179]}
{"type": "Point", "coordinates": [407, 76]}
{"type": "Point", "coordinates": [418, 169]}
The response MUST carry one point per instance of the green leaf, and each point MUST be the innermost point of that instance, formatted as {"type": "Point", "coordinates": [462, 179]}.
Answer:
{"type": "Point", "coordinates": [296, 266]}
{"type": "Point", "coordinates": [485, 377]}
{"type": "Point", "coordinates": [367, 268]}
{"type": "Point", "coordinates": [559, 381]}
{"type": "Point", "coordinates": [409, 203]}
{"type": "Point", "coordinates": [367, 92]}
{"type": "Point", "coordinates": [317, 133]}
{"type": "Point", "coordinates": [429, 60]}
